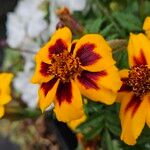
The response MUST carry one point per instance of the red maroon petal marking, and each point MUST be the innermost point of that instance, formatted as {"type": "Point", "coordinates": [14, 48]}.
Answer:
{"type": "Point", "coordinates": [58, 47]}
{"type": "Point", "coordinates": [124, 87]}
{"type": "Point", "coordinates": [44, 70]}
{"type": "Point", "coordinates": [89, 79]}
{"type": "Point", "coordinates": [86, 54]}
{"type": "Point", "coordinates": [73, 47]}
{"type": "Point", "coordinates": [134, 104]}
{"type": "Point", "coordinates": [64, 92]}
{"type": "Point", "coordinates": [141, 60]}
{"type": "Point", "coordinates": [46, 87]}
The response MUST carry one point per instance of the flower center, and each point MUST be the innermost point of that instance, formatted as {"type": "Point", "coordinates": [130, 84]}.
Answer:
{"type": "Point", "coordinates": [64, 66]}
{"type": "Point", "coordinates": [139, 80]}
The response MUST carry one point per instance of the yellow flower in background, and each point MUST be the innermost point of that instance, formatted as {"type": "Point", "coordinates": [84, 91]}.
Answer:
{"type": "Point", "coordinates": [146, 26]}
{"type": "Point", "coordinates": [67, 69]}
{"type": "Point", "coordinates": [75, 123]}
{"type": "Point", "coordinates": [5, 91]}
{"type": "Point", "coordinates": [134, 94]}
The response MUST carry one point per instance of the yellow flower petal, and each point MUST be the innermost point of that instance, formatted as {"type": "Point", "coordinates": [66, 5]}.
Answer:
{"type": "Point", "coordinates": [75, 123]}
{"type": "Point", "coordinates": [111, 80]}
{"type": "Point", "coordinates": [126, 99]}
{"type": "Point", "coordinates": [146, 26]}
{"type": "Point", "coordinates": [139, 117]}
{"type": "Point", "coordinates": [68, 102]}
{"type": "Point", "coordinates": [64, 34]}
{"type": "Point", "coordinates": [47, 93]}
{"type": "Point", "coordinates": [60, 41]}
{"type": "Point", "coordinates": [124, 73]}
{"type": "Point", "coordinates": [5, 89]}
{"type": "Point", "coordinates": [2, 111]}
{"type": "Point", "coordinates": [139, 50]}
{"type": "Point", "coordinates": [126, 134]}
{"type": "Point", "coordinates": [133, 114]}
{"type": "Point", "coordinates": [88, 83]}
{"type": "Point", "coordinates": [124, 89]}
{"type": "Point", "coordinates": [93, 52]}
{"type": "Point", "coordinates": [4, 99]}
{"type": "Point", "coordinates": [41, 72]}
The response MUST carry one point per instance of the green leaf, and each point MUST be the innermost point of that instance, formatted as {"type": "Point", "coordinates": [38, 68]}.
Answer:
{"type": "Point", "coordinates": [93, 25]}
{"type": "Point", "coordinates": [145, 136]}
{"type": "Point", "coordinates": [128, 21]}
{"type": "Point", "coordinates": [94, 132]}
{"type": "Point", "coordinates": [91, 107]}
{"type": "Point", "coordinates": [116, 145]}
{"type": "Point", "coordinates": [121, 58]}
{"type": "Point", "coordinates": [108, 140]}
{"type": "Point", "coordinates": [106, 30]}
{"type": "Point", "coordinates": [113, 124]}
{"type": "Point", "coordinates": [90, 123]}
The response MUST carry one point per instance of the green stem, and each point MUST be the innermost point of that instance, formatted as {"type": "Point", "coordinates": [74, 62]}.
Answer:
{"type": "Point", "coordinates": [141, 8]}
{"type": "Point", "coordinates": [15, 113]}
{"type": "Point", "coordinates": [108, 142]}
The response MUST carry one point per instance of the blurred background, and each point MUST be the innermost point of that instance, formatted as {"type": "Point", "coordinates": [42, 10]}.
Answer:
{"type": "Point", "coordinates": [25, 25]}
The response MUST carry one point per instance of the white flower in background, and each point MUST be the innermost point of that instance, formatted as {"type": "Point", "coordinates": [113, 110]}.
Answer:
{"type": "Point", "coordinates": [72, 5]}
{"type": "Point", "coordinates": [29, 92]}
{"type": "Point", "coordinates": [27, 22]}
{"type": "Point", "coordinates": [15, 31]}
{"type": "Point", "coordinates": [25, 27]}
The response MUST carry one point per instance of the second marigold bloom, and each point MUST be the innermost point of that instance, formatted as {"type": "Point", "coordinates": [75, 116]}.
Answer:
{"type": "Point", "coordinates": [66, 69]}
{"type": "Point", "coordinates": [134, 94]}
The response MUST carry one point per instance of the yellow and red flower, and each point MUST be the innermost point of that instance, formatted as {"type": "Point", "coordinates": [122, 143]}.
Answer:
{"type": "Point", "coordinates": [134, 94]}
{"type": "Point", "coordinates": [5, 91]}
{"type": "Point", "coordinates": [66, 69]}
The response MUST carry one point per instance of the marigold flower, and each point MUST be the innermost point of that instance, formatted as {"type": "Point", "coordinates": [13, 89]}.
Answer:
{"type": "Point", "coordinates": [146, 26]}
{"type": "Point", "coordinates": [134, 94]}
{"type": "Point", "coordinates": [5, 91]}
{"type": "Point", "coordinates": [65, 69]}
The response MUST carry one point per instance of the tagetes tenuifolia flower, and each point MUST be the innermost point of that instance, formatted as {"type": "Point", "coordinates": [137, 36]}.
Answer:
{"type": "Point", "coordinates": [5, 91]}
{"type": "Point", "coordinates": [134, 94]}
{"type": "Point", "coordinates": [68, 69]}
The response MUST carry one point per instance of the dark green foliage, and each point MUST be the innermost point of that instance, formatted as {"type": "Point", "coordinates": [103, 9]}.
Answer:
{"type": "Point", "coordinates": [100, 118]}
{"type": "Point", "coordinates": [121, 58]}
{"type": "Point", "coordinates": [129, 22]}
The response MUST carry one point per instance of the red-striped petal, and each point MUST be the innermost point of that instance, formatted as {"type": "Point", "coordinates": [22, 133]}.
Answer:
{"type": "Point", "coordinates": [58, 47]}
{"type": "Point", "coordinates": [46, 87]}
{"type": "Point", "coordinates": [89, 79]}
{"type": "Point", "coordinates": [86, 54]}
{"type": "Point", "coordinates": [141, 60]}
{"type": "Point", "coordinates": [64, 92]}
